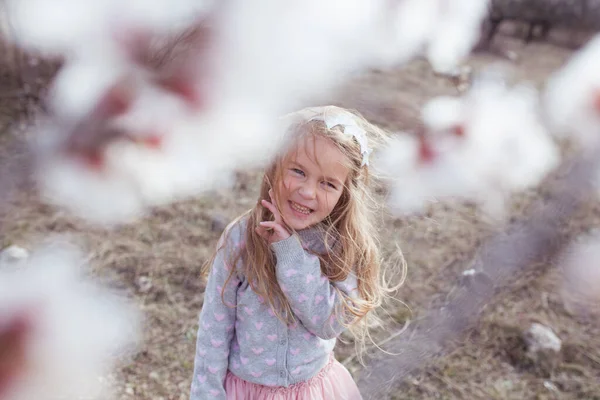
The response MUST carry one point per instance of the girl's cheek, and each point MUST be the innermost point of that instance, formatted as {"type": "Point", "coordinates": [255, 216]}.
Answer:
{"type": "Point", "coordinates": [288, 184]}
{"type": "Point", "coordinates": [328, 204]}
{"type": "Point", "coordinates": [332, 200]}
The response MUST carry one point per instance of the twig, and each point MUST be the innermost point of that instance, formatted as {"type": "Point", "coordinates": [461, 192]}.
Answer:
{"type": "Point", "coordinates": [591, 357]}
{"type": "Point", "coordinates": [527, 244]}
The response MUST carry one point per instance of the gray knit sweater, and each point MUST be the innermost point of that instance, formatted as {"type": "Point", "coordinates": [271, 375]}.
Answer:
{"type": "Point", "coordinates": [245, 337]}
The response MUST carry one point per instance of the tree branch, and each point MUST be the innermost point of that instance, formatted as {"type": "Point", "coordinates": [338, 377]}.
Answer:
{"type": "Point", "coordinates": [525, 245]}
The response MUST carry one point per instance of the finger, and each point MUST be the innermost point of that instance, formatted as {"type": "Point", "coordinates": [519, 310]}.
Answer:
{"type": "Point", "coordinates": [280, 230]}
{"type": "Point", "coordinates": [276, 214]}
{"type": "Point", "coordinates": [271, 207]}
{"type": "Point", "coordinates": [265, 230]}
{"type": "Point", "coordinates": [262, 232]}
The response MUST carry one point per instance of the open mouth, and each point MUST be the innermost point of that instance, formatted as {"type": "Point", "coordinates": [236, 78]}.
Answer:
{"type": "Point", "coordinates": [300, 209]}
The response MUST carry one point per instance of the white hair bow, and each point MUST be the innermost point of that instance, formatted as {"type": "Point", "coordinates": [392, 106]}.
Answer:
{"type": "Point", "coordinates": [348, 123]}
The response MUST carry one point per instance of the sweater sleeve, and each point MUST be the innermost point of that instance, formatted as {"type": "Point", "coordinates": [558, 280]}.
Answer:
{"type": "Point", "coordinates": [313, 297]}
{"type": "Point", "coordinates": [215, 331]}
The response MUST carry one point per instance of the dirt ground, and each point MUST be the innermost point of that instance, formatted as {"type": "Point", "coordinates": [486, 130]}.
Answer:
{"type": "Point", "coordinates": [157, 263]}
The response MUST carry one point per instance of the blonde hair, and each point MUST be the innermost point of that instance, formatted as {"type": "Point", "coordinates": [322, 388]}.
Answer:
{"type": "Point", "coordinates": [351, 236]}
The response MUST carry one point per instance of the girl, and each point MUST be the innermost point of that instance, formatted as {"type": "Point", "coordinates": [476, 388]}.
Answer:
{"type": "Point", "coordinates": [295, 271]}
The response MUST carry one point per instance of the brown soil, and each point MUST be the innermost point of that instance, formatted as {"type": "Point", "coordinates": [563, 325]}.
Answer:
{"type": "Point", "coordinates": [157, 263]}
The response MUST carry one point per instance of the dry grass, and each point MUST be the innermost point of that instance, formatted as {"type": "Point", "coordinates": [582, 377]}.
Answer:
{"type": "Point", "coordinates": [157, 262]}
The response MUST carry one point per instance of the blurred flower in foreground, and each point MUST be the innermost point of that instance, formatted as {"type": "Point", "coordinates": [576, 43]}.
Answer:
{"type": "Point", "coordinates": [59, 330]}
{"type": "Point", "coordinates": [481, 147]}
{"type": "Point", "coordinates": [123, 137]}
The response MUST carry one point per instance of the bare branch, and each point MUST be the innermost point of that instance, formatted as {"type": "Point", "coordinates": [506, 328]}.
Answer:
{"type": "Point", "coordinates": [527, 244]}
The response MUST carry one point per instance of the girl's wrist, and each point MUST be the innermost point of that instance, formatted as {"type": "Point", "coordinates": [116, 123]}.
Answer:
{"type": "Point", "coordinates": [280, 238]}
{"type": "Point", "coordinates": [288, 250]}
{"type": "Point", "coordinates": [277, 243]}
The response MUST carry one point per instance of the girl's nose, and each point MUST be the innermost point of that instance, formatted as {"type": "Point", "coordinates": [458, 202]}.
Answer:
{"type": "Point", "coordinates": [308, 191]}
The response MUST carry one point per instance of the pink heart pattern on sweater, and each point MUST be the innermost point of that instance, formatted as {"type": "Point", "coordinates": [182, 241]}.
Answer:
{"type": "Point", "coordinates": [254, 349]}
{"type": "Point", "coordinates": [290, 272]}
{"type": "Point", "coordinates": [302, 298]}
{"type": "Point", "coordinates": [258, 351]}
{"type": "Point", "coordinates": [219, 317]}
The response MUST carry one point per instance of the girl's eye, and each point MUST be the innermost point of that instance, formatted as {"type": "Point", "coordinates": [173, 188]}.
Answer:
{"type": "Point", "coordinates": [331, 185]}
{"type": "Point", "coordinates": [298, 171]}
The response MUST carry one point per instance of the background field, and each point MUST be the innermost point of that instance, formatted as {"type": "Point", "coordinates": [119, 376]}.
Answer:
{"type": "Point", "coordinates": [157, 261]}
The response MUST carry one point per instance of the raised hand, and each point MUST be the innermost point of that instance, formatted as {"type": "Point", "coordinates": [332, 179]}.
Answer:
{"type": "Point", "coordinates": [272, 231]}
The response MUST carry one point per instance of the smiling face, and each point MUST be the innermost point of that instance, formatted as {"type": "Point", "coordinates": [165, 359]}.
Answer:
{"type": "Point", "coordinates": [313, 179]}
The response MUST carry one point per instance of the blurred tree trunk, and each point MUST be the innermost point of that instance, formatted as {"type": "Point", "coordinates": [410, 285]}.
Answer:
{"type": "Point", "coordinates": [24, 78]}
{"type": "Point", "coordinates": [543, 15]}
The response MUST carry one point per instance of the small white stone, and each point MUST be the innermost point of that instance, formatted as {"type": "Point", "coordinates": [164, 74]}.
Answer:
{"type": "Point", "coordinates": [144, 284]}
{"type": "Point", "coordinates": [469, 272]}
{"type": "Point", "coordinates": [541, 338]}
{"type": "Point", "coordinates": [550, 386]}
{"type": "Point", "coordinates": [13, 254]}
{"type": "Point", "coordinates": [154, 376]}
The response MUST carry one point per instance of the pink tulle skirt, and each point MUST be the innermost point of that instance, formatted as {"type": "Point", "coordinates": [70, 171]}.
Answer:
{"type": "Point", "coordinates": [333, 382]}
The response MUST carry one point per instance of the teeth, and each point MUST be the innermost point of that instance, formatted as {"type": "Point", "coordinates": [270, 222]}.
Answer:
{"type": "Point", "coordinates": [299, 208]}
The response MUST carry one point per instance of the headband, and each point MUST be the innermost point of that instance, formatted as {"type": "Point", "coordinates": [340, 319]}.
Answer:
{"type": "Point", "coordinates": [350, 127]}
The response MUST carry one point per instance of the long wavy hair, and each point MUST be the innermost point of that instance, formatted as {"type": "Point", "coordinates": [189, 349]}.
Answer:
{"type": "Point", "coordinates": [350, 231]}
